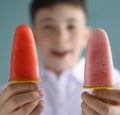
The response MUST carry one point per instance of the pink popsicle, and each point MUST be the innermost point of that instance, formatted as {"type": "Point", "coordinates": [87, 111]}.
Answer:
{"type": "Point", "coordinates": [98, 72]}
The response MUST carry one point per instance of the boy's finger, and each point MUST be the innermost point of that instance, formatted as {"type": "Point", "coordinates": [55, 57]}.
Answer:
{"type": "Point", "coordinates": [38, 109]}
{"type": "Point", "coordinates": [21, 99]}
{"type": "Point", "coordinates": [108, 94]}
{"type": "Point", "coordinates": [17, 88]}
{"type": "Point", "coordinates": [87, 110]}
{"type": "Point", "coordinates": [83, 113]}
{"type": "Point", "coordinates": [94, 103]}
{"type": "Point", "coordinates": [27, 108]}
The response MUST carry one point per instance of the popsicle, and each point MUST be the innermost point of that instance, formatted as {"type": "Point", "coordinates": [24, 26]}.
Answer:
{"type": "Point", "coordinates": [98, 71]}
{"type": "Point", "coordinates": [24, 66]}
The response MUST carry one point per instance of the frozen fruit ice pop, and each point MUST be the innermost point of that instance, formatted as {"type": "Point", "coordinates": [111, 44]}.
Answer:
{"type": "Point", "coordinates": [24, 66]}
{"type": "Point", "coordinates": [98, 72]}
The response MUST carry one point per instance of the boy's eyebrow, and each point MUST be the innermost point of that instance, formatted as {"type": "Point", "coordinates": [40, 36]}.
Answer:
{"type": "Point", "coordinates": [71, 20]}
{"type": "Point", "coordinates": [48, 19]}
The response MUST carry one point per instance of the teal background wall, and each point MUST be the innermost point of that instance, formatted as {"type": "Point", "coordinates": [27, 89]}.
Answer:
{"type": "Point", "coordinates": [102, 14]}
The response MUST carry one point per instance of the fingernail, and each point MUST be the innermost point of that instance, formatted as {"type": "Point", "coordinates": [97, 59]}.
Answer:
{"type": "Point", "coordinates": [84, 94]}
{"type": "Point", "coordinates": [40, 93]}
{"type": "Point", "coordinates": [96, 92]}
{"type": "Point", "coordinates": [41, 102]}
{"type": "Point", "coordinates": [35, 86]}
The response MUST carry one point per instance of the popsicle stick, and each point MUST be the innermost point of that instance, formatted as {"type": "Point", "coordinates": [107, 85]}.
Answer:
{"type": "Point", "coordinates": [98, 88]}
{"type": "Point", "coordinates": [18, 82]}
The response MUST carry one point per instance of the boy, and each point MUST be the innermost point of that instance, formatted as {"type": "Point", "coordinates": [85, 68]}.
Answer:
{"type": "Point", "coordinates": [61, 33]}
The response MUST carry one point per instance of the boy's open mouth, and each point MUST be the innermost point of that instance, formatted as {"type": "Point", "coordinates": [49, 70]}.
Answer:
{"type": "Point", "coordinates": [60, 54]}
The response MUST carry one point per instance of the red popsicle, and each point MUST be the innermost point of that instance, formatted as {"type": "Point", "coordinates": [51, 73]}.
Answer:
{"type": "Point", "coordinates": [24, 66]}
{"type": "Point", "coordinates": [98, 72]}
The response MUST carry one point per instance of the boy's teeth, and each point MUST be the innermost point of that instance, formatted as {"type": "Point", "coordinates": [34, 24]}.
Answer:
{"type": "Point", "coordinates": [59, 53]}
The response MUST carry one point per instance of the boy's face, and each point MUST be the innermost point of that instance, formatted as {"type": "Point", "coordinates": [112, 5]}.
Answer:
{"type": "Point", "coordinates": [61, 34]}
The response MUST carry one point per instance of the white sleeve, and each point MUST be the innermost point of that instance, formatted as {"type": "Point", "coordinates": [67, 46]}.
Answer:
{"type": "Point", "coordinates": [2, 87]}
{"type": "Point", "coordinates": [117, 78]}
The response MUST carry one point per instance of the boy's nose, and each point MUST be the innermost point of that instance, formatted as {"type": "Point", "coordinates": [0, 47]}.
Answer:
{"type": "Point", "coordinates": [62, 36]}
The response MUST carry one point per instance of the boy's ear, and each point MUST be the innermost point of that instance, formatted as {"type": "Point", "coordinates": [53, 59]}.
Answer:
{"type": "Point", "coordinates": [86, 36]}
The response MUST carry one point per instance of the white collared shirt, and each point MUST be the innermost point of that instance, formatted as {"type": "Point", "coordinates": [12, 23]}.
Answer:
{"type": "Point", "coordinates": [62, 96]}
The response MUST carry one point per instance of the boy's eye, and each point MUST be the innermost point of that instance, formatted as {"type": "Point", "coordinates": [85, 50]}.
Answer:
{"type": "Point", "coordinates": [70, 27]}
{"type": "Point", "coordinates": [48, 27]}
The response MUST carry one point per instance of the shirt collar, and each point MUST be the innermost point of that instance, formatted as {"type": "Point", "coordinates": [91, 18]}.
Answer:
{"type": "Point", "coordinates": [77, 72]}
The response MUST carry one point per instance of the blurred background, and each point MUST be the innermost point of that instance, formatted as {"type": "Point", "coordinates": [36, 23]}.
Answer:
{"type": "Point", "coordinates": [102, 14]}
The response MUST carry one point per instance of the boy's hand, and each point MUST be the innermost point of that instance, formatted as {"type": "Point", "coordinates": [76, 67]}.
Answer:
{"type": "Point", "coordinates": [95, 104]}
{"type": "Point", "coordinates": [21, 99]}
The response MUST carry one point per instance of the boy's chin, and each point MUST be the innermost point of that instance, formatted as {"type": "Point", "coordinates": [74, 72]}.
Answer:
{"type": "Point", "coordinates": [58, 70]}
{"type": "Point", "coordinates": [61, 66]}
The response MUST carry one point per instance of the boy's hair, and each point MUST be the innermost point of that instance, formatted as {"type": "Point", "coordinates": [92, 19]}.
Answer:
{"type": "Point", "coordinates": [39, 4]}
